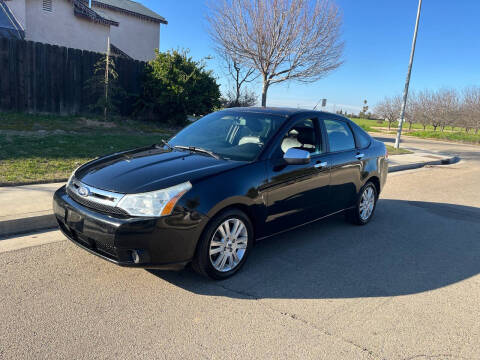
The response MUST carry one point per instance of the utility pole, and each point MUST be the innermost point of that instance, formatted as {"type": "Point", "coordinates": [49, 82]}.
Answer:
{"type": "Point", "coordinates": [407, 82]}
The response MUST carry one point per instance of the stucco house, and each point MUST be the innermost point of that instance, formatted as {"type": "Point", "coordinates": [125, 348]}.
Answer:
{"type": "Point", "coordinates": [133, 29]}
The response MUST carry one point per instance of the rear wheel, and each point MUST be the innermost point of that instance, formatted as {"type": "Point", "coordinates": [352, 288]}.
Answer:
{"type": "Point", "coordinates": [364, 208]}
{"type": "Point", "coordinates": [224, 245]}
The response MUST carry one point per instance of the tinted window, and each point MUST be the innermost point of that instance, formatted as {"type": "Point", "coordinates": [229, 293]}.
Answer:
{"type": "Point", "coordinates": [340, 136]}
{"type": "Point", "coordinates": [302, 136]}
{"type": "Point", "coordinates": [232, 135]}
{"type": "Point", "coordinates": [363, 139]}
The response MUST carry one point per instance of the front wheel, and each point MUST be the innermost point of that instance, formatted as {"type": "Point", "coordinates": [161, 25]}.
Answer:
{"type": "Point", "coordinates": [364, 208]}
{"type": "Point", "coordinates": [224, 245]}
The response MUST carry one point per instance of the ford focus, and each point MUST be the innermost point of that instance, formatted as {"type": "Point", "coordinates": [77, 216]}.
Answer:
{"type": "Point", "coordinates": [229, 179]}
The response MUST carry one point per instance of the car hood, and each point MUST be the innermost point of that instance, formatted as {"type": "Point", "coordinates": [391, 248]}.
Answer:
{"type": "Point", "coordinates": [149, 169]}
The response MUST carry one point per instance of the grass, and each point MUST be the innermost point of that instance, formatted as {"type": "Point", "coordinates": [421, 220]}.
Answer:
{"type": "Point", "coordinates": [393, 151]}
{"type": "Point", "coordinates": [450, 136]}
{"type": "Point", "coordinates": [77, 124]}
{"type": "Point", "coordinates": [42, 148]}
{"type": "Point", "coordinates": [456, 134]}
{"type": "Point", "coordinates": [39, 148]}
{"type": "Point", "coordinates": [54, 157]}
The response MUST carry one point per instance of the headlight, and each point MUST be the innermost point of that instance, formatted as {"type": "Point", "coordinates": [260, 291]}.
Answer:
{"type": "Point", "coordinates": [155, 203]}
{"type": "Point", "coordinates": [72, 175]}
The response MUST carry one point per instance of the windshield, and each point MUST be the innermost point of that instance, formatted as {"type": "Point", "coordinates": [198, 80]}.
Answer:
{"type": "Point", "coordinates": [231, 135]}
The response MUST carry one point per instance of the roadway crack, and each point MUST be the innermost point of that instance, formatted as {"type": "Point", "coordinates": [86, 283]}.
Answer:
{"type": "Point", "coordinates": [441, 356]}
{"type": "Point", "coordinates": [295, 317]}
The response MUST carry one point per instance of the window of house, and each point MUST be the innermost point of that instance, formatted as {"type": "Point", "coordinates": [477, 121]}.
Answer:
{"type": "Point", "coordinates": [47, 5]}
{"type": "Point", "coordinates": [340, 137]}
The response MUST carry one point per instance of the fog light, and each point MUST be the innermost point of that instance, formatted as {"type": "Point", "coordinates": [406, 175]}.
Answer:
{"type": "Point", "coordinates": [135, 256]}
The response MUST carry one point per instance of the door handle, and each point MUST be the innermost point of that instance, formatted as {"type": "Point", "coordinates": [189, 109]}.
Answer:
{"type": "Point", "coordinates": [360, 156]}
{"type": "Point", "coordinates": [320, 164]}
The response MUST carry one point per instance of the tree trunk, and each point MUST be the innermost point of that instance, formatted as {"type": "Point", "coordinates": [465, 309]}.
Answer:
{"type": "Point", "coordinates": [237, 96]}
{"type": "Point", "coordinates": [435, 127]}
{"type": "Point", "coordinates": [264, 91]}
{"type": "Point", "coordinates": [389, 124]}
{"type": "Point", "coordinates": [424, 127]}
{"type": "Point", "coordinates": [237, 83]}
{"type": "Point", "coordinates": [410, 126]}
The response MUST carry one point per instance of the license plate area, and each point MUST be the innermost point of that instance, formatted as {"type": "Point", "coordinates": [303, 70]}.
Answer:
{"type": "Point", "coordinates": [74, 221]}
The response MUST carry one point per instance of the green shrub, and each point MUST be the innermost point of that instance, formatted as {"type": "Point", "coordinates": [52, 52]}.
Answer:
{"type": "Point", "coordinates": [175, 86]}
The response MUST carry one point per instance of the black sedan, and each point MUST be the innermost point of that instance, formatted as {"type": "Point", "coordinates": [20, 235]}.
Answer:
{"type": "Point", "coordinates": [231, 178]}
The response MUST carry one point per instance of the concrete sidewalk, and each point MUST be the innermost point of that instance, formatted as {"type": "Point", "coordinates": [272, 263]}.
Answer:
{"type": "Point", "coordinates": [28, 208]}
{"type": "Point", "coordinates": [418, 160]}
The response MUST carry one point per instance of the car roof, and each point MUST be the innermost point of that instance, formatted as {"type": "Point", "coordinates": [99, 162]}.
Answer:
{"type": "Point", "coordinates": [280, 111]}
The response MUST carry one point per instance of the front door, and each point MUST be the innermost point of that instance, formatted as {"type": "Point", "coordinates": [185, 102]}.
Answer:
{"type": "Point", "coordinates": [297, 193]}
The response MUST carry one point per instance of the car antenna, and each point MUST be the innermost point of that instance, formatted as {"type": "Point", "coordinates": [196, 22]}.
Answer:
{"type": "Point", "coordinates": [167, 144]}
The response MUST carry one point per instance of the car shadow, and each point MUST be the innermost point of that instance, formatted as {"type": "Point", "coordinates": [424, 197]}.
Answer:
{"type": "Point", "coordinates": [409, 247]}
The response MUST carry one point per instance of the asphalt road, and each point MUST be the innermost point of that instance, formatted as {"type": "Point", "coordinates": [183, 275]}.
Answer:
{"type": "Point", "coordinates": [464, 151]}
{"type": "Point", "coordinates": [406, 286]}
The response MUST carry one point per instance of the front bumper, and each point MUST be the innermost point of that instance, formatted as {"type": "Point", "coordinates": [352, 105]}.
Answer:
{"type": "Point", "coordinates": [164, 243]}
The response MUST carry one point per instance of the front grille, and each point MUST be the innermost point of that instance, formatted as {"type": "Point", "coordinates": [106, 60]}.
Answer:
{"type": "Point", "coordinates": [94, 205]}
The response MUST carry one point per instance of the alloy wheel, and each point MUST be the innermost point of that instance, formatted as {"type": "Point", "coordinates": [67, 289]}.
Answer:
{"type": "Point", "coordinates": [367, 203]}
{"type": "Point", "coordinates": [228, 245]}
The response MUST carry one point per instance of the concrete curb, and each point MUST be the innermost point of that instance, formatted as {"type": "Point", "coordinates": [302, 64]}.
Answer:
{"type": "Point", "coordinates": [46, 220]}
{"type": "Point", "coordinates": [40, 182]}
{"type": "Point", "coordinates": [447, 161]}
{"type": "Point", "coordinates": [36, 221]}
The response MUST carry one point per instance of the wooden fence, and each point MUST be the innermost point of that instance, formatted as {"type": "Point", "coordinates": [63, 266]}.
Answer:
{"type": "Point", "coordinates": [43, 78]}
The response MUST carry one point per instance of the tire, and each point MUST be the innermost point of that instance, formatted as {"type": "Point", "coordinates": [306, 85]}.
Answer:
{"type": "Point", "coordinates": [367, 197]}
{"type": "Point", "coordinates": [232, 249]}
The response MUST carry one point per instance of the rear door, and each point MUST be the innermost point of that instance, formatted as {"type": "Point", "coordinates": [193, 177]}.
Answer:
{"type": "Point", "coordinates": [297, 193]}
{"type": "Point", "coordinates": [344, 161]}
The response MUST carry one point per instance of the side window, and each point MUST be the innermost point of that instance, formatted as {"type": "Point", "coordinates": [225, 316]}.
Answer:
{"type": "Point", "coordinates": [302, 136]}
{"type": "Point", "coordinates": [340, 136]}
{"type": "Point", "coordinates": [363, 139]}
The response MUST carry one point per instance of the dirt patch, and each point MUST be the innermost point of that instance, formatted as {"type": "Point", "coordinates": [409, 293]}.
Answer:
{"type": "Point", "coordinates": [98, 124]}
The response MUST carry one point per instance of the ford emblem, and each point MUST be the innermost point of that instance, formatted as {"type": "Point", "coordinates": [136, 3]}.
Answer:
{"type": "Point", "coordinates": [83, 191]}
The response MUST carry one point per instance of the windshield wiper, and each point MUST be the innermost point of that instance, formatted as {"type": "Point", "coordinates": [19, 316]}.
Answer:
{"type": "Point", "coordinates": [197, 149]}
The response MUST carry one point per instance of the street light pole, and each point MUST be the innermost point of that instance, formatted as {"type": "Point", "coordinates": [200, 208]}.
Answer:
{"type": "Point", "coordinates": [407, 82]}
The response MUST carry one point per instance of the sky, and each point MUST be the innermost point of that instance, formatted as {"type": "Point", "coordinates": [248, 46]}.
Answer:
{"type": "Point", "coordinates": [378, 37]}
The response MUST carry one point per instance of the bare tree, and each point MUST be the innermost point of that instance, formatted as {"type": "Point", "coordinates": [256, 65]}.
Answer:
{"type": "Point", "coordinates": [240, 75]}
{"type": "Point", "coordinates": [471, 108]}
{"type": "Point", "coordinates": [389, 109]}
{"type": "Point", "coordinates": [283, 39]}
{"type": "Point", "coordinates": [440, 109]}
{"type": "Point", "coordinates": [247, 98]}
{"type": "Point", "coordinates": [434, 110]}
{"type": "Point", "coordinates": [410, 109]}
{"type": "Point", "coordinates": [422, 108]}
{"type": "Point", "coordinates": [446, 107]}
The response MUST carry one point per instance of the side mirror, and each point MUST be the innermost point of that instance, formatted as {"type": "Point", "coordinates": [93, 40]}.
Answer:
{"type": "Point", "coordinates": [296, 156]}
